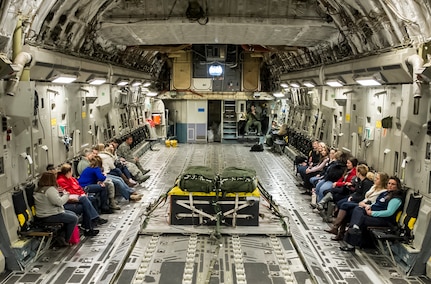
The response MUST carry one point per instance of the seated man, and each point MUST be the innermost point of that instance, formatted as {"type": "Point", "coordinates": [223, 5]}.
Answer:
{"type": "Point", "coordinates": [132, 162]}
{"type": "Point", "coordinates": [87, 154]}
{"type": "Point", "coordinates": [253, 118]}
{"type": "Point", "coordinates": [276, 134]}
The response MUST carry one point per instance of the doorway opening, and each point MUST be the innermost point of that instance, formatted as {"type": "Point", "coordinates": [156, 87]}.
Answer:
{"type": "Point", "coordinates": [214, 121]}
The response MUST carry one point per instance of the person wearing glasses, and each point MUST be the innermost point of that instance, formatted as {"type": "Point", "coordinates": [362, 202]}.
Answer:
{"type": "Point", "coordinates": [381, 213]}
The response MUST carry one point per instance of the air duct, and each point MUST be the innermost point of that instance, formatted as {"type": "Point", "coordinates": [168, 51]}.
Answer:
{"type": "Point", "coordinates": [417, 64]}
{"type": "Point", "coordinates": [21, 60]}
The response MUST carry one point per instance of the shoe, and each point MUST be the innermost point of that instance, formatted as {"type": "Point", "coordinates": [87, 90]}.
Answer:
{"type": "Point", "coordinates": [135, 197]}
{"type": "Point", "coordinates": [338, 238]}
{"type": "Point", "coordinates": [107, 211]}
{"type": "Point", "coordinates": [313, 205]}
{"type": "Point", "coordinates": [355, 231]}
{"type": "Point", "coordinates": [137, 194]}
{"type": "Point", "coordinates": [333, 231]}
{"type": "Point", "coordinates": [347, 248]}
{"type": "Point", "coordinates": [259, 134]}
{"type": "Point", "coordinates": [145, 171]}
{"type": "Point", "coordinates": [61, 242]}
{"type": "Point", "coordinates": [130, 184]}
{"type": "Point", "coordinates": [114, 206]}
{"type": "Point", "coordinates": [144, 178]}
{"type": "Point", "coordinates": [246, 134]}
{"type": "Point", "coordinates": [131, 181]}
{"type": "Point", "coordinates": [101, 221]}
{"type": "Point", "coordinates": [319, 206]}
{"type": "Point", "coordinates": [91, 233]}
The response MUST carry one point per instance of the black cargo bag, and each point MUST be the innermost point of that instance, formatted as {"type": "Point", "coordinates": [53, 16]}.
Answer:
{"type": "Point", "coordinates": [198, 179]}
{"type": "Point", "coordinates": [234, 179]}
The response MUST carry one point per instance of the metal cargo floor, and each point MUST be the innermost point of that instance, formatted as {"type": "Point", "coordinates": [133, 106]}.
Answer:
{"type": "Point", "coordinates": [122, 254]}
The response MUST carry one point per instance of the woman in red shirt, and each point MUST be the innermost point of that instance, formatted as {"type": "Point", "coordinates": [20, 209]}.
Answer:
{"type": "Point", "coordinates": [77, 195]}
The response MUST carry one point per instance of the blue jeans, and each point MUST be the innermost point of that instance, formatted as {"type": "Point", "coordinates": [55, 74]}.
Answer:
{"type": "Point", "coordinates": [119, 171]}
{"type": "Point", "coordinates": [314, 180]}
{"type": "Point", "coordinates": [68, 218]}
{"type": "Point", "coordinates": [121, 186]}
{"type": "Point", "coordinates": [86, 208]}
{"type": "Point", "coordinates": [360, 218]}
{"type": "Point", "coordinates": [321, 186]}
{"type": "Point", "coordinates": [102, 191]}
{"type": "Point", "coordinates": [301, 169]}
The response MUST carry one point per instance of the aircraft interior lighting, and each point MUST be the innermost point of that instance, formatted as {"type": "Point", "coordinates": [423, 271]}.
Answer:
{"type": "Point", "coordinates": [136, 83]}
{"type": "Point", "coordinates": [295, 84]}
{"type": "Point", "coordinates": [309, 83]}
{"type": "Point", "coordinates": [375, 79]}
{"type": "Point", "coordinates": [62, 78]}
{"type": "Point", "coordinates": [93, 80]}
{"type": "Point", "coordinates": [122, 82]}
{"type": "Point", "coordinates": [334, 83]}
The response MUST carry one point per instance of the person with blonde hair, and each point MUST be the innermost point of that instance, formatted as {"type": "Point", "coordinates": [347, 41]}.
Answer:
{"type": "Point", "coordinates": [362, 185]}
{"type": "Point", "coordinates": [93, 181]}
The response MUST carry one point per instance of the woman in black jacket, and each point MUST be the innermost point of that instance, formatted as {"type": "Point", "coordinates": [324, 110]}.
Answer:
{"type": "Point", "coordinates": [362, 185]}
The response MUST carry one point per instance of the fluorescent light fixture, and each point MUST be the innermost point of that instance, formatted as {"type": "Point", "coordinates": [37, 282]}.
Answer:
{"type": "Point", "coordinates": [335, 83]}
{"type": "Point", "coordinates": [62, 78]}
{"type": "Point", "coordinates": [295, 85]}
{"type": "Point", "coordinates": [93, 80]}
{"type": "Point", "coordinates": [278, 95]}
{"type": "Point", "coordinates": [122, 82]}
{"type": "Point", "coordinates": [152, 94]}
{"type": "Point", "coordinates": [215, 70]}
{"type": "Point", "coordinates": [284, 85]}
{"type": "Point", "coordinates": [146, 84]}
{"type": "Point", "coordinates": [136, 83]}
{"type": "Point", "coordinates": [309, 83]}
{"type": "Point", "coordinates": [375, 79]}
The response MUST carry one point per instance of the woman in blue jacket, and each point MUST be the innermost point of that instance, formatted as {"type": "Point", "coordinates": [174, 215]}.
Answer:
{"type": "Point", "coordinates": [92, 180]}
{"type": "Point", "coordinates": [381, 213]}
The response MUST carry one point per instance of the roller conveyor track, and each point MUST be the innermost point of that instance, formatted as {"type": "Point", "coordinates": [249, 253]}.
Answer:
{"type": "Point", "coordinates": [122, 254]}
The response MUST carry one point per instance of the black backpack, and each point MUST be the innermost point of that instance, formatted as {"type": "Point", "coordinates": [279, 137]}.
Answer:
{"type": "Point", "coordinates": [256, 148]}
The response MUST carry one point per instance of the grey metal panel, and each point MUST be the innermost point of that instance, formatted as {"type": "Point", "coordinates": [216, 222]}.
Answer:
{"type": "Point", "coordinates": [171, 272]}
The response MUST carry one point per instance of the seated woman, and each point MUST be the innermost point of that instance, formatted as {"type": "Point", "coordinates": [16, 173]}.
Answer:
{"type": "Point", "coordinates": [332, 159]}
{"type": "Point", "coordinates": [339, 188]}
{"type": "Point", "coordinates": [92, 180]}
{"type": "Point", "coordinates": [112, 165]}
{"type": "Point", "coordinates": [78, 196]}
{"type": "Point", "coordinates": [315, 170]}
{"type": "Point", "coordinates": [49, 206]}
{"type": "Point", "coordinates": [362, 186]}
{"type": "Point", "coordinates": [381, 213]}
{"type": "Point", "coordinates": [108, 167]}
